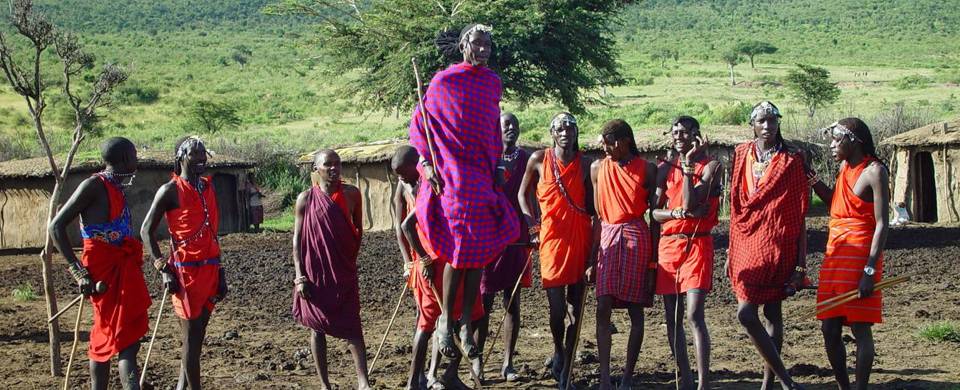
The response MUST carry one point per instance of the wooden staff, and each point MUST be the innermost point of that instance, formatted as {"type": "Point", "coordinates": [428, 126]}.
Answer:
{"type": "Point", "coordinates": [463, 353]}
{"type": "Point", "coordinates": [426, 129]}
{"type": "Point", "coordinates": [851, 295]}
{"type": "Point", "coordinates": [389, 325]}
{"type": "Point", "coordinates": [496, 335]}
{"type": "Point", "coordinates": [576, 337]}
{"type": "Point", "coordinates": [73, 349]}
{"type": "Point", "coordinates": [156, 325]}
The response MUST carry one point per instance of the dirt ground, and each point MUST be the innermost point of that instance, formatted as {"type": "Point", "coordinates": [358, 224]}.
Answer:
{"type": "Point", "coordinates": [253, 342]}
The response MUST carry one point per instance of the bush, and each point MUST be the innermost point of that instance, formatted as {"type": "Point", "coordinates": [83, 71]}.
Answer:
{"type": "Point", "coordinates": [24, 293]}
{"type": "Point", "coordinates": [137, 94]}
{"type": "Point", "coordinates": [736, 113]}
{"type": "Point", "coordinates": [945, 331]}
{"type": "Point", "coordinates": [912, 82]}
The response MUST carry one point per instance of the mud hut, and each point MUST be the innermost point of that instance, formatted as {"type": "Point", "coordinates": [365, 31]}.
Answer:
{"type": "Point", "coordinates": [925, 171]}
{"type": "Point", "coordinates": [367, 166]}
{"type": "Point", "coordinates": [25, 187]}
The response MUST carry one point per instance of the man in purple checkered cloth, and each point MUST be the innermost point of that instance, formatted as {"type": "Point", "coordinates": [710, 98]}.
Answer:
{"type": "Point", "coordinates": [463, 213]}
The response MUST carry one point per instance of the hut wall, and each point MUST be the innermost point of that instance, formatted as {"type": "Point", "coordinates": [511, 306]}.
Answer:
{"type": "Point", "coordinates": [24, 204]}
{"type": "Point", "coordinates": [946, 171]}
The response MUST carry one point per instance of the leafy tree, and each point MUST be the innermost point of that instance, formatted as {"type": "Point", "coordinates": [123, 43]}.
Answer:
{"type": "Point", "coordinates": [31, 83]}
{"type": "Point", "coordinates": [754, 48]}
{"type": "Point", "coordinates": [241, 55]}
{"type": "Point", "coordinates": [214, 116]}
{"type": "Point", "coordinates": [731, 58]}
{"type": "Point", "coordinates": [544, 49]}
{"type": "Point", "coordinates": [811, 86]}
{"type": "Point", "coordinates": [663, 54]}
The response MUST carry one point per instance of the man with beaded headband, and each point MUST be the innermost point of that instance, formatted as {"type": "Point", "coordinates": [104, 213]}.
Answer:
{"type": "Point", "coordinates": [111, 255]}
{"type": "Point", "coordinates": [561, 224]}
{"type": "Point", "coordinates": [769, 196]}
{"type": "Point", "coordinates": [688, 196]}
{"type": "Point", "coordinates": [192, 273]}
{"type": "Point", "coordinates": [859, 210]}
{"type": "Point", "coordinates": [463, 213]}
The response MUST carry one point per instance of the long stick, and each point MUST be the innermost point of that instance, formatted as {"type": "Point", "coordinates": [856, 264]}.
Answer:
{"type": "Point", "coordinates": [426, 125]}
{"type": "Point", "coordinates": [463, 352]}
{"type": "Point", "coordinates": [383, 340]}
{"type": "Point", "coordinates": [853, 295]}
{"type": "Point", "coordinates": [156, 325]}
{"type": "Point", "coordinates": [496, 334]}
{"type": "Point", "coordinates": [576, 337]}
{"type": "Point", "coordinates": [65, 308]}
{"type": "Point", "coordinates": [73, 349]}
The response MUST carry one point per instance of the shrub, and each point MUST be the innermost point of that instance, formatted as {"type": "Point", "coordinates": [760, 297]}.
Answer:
{"type": "Point", "coordinates": [736, 113]}
{"type": "Point", "coordinates": [912, 82]}
{"type": "Point", "coordinates": [24, 293]}
{"type": "Point", "coordinates": [945, 331]}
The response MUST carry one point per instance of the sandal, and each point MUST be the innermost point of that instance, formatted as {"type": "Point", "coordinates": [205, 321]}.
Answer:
{"type": "Point", "coordinates": [469, 345]}
{"type": "Point", "coordinates": [447, 346]}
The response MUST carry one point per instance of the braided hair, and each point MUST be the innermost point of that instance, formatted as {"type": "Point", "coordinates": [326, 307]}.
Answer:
{"type": "Point", "coordinates": [862, 132]}
{"type": "Point", "coordinates": [183, 147]}
{"type": "Point", "coordinates": [619, 129]}
{"type": "Point", "coordinates": [448, 42]}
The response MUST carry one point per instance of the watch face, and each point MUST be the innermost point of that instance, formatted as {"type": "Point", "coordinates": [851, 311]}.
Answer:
{"type": "Point", "coordinates": [868, 270]}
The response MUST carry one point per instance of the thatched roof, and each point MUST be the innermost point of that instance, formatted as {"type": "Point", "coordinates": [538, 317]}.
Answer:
{"type": "Point", "coordinates": [934, 134]}
{"type": "Point", "coordinates": [648, 140]}
{"type": "Point", "coordinates": [39, 167]}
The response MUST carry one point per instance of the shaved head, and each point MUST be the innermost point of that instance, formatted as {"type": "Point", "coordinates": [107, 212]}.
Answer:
{"type": "Point", "coordinates": [405, 155]}
{"type": "Point", "coordinates": [323, 155]}
{"type": "Point", "coordinates": [114, 150]}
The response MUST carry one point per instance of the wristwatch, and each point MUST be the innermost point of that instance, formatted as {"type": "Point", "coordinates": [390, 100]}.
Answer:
{"type": "Point", "coordinates": [869, 270]}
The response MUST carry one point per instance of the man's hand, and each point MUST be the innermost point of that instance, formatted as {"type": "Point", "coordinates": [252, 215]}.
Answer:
{"type": "Point", "coordinates": [533, 230]}
{"type": "Point", "coordinates": [221, 286]}
{"type": "Point", "coordinates": [82, 277]}
{"type": "Point", "coordinates": [426, 269]}
{"type": "Point", "coordinates": [699, 144]}
{"type": "Point", "coordinates": [795, 283]}
{"type": "Point", "coordinates": [436, 183]}
{"type": "Point", "coordinates": [865, 288]}
{"type": "Point", "coordinates": [159, 263]}
{"type": "Point", "coordinates": [590, 274]}
{"type": "Point", "coordinates": [170, 281]}
{"type": "Point", "coordinates": [407, 266]}
{"type": "Point", "coordinates": [303, 290]}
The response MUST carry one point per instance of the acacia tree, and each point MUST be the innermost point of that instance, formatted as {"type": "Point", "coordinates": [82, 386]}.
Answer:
{"type": "Point", "coordinates": [731, 58]}
{"type": "Point", "coordinates": [811, 86]}
{"type": "Point", "coordinates": [754, 48]}
{"type": "Point", "coordinates": [543, 49]}
{"type": "Point", "coordinates": [241, 55]}
{"type": "Point", "coordinates": [28, 83]}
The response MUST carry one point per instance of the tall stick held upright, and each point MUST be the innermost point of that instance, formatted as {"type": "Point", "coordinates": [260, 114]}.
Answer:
{"type": "Point", "coordinates": [426, 128]}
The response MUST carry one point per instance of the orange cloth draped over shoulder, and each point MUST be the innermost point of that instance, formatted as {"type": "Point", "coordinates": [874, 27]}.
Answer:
{"type": "Point", "coordinates": [852, 225]}
{"type": "Point", "coordinates": [112, 255]}
{"type": "Point", "coordinates": [196, 250]}
{"type": "Point", "coordinates": [565, 226]}
{"type": "Point", "coordinates": [678, 270]}
{"type": "Point", "coordinates": [423, 293]}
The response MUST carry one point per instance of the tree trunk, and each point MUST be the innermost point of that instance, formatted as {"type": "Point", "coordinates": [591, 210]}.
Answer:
{"type": "Point", "coordinates": [751, 63]}
{"type": "Point", "coordinates": [733, 81]}
{"type": "Point", "coordinates": [46, 261]}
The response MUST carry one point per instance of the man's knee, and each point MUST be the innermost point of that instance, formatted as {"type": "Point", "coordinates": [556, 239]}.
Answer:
{"type": "Point", "coordinates": [773, 313]}
{"type": "Point", "coordinates": [696, 318]}
{"type": "Point", "coordinates": [831, 328]}
{"type": "Point", "coordinates": [748, 317]}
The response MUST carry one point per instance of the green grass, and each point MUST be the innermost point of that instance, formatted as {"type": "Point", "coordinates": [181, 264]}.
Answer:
{"type": "Point", "coordinates": [280, 223]}
{"type": "Point", "coordinates": [24, 293]}
{"type": "Point", "coordinates": [939, 332]}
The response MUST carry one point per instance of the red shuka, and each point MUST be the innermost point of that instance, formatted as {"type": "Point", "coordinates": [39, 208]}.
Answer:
{"type": "Point", "coordinates": [766, 221]}
{"type": "Point", "coordinates": [112, 255]}
{"type": "Point", "coordinates": [196, 250]}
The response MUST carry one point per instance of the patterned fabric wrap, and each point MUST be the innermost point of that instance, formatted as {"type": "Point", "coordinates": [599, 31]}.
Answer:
{"type": "Point", "coordinates": [765, 224]}
{"type": "Point", "coordinates": [329, 247]}
{"type": "Point", "coordinates": [565, 233]}
{"type": "Point", "coordinates": [196, 251]}
{"type": "Point", "coordinates": [468, 223]}
{"type": "Point", "coordinates": [502, 273]}
{"type": "Point", "coordinates": [625, 269]}
{"type": "Point", "coordinates": [120, 314]}
{"type": "Point", "coordinates": [852, 225]}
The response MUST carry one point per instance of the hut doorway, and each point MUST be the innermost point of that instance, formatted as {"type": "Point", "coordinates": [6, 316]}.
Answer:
{"type": "Point", "coordinates": [226, 192]}
{"type": "Point", "coordinates": [925, 189]}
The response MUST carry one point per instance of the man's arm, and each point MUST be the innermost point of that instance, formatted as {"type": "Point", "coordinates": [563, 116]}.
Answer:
{"type": "Point", "coordinates": [528, 189]}
{"type": "Point", "coordinates": [299, 211]}
{"type": "Point", "coordinates": [592, 192]}
{"type": "Point", "coordinates": [400, 205]}
{"type": "Point", "coordinates": [81, 199]}
{"type": "Point", "coordinates": [659, 213]}
{"type": "Point", "coordinates": [879, 180]}
{"type": "Point", "coordinates": [165, 200]}
{"type": "Point", "coordinates": [707, 187]}
{"type": "Point", "coordinates": [357, 211]}
{"type": "Point", "coordinates": [651, 186]}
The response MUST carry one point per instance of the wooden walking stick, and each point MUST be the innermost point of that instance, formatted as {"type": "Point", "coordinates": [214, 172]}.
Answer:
{"type": "Point", "coordinates": [463, 353]}
{"type": "Point", "coordinates": [383, 340]}
{"type": "Point", "coordinates": [496, 335]}
{"type": "Point", "coordinates": [426, 129]}
{"type": "Point", "coordinates": [156, 325]}
{"type": "Point", "coordinates": [576, 337]}
{"type": "Point", "coordinates": [73, 349]}
{"type": "Point", "coordinates": [852, 295]}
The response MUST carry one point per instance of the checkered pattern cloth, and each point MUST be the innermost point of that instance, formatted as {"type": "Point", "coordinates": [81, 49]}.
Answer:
{"type": "Point", "coordinates": [625, 269]}
{"type": "Point", "coordinates": [470, 222]}
{"type": "Point", "coordinates": [765, 226]}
